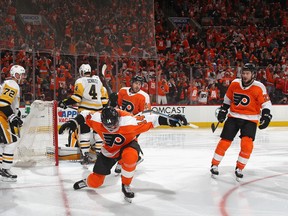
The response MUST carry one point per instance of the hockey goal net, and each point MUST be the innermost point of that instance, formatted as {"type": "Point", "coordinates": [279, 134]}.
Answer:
{"type": "Point", "coordinates": [38, 138]}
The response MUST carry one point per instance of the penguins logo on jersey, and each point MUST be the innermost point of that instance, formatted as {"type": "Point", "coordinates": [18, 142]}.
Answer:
{"type": "Point", "coordinates": [241, 99]}
{"type": "Point", "coordinates": [128, 106]}
{"type": "Point", "coordinates": [111, 139]}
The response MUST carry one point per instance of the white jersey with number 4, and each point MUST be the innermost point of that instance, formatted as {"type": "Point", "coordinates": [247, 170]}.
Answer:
{"type": "Point", "coordinates": [89, 93]}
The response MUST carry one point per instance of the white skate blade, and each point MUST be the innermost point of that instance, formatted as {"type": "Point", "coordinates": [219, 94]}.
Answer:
{"type": "Point", "coordinates": [238, 179]}
{"type": "Point", "coordinates": [4, 179]}
{"type": "Point", "coordinates": [127, 199]}
{"type": "Point", "coordinates": [214, 176]}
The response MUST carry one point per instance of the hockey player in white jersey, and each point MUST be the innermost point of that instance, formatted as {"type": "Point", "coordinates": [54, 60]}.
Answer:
{"type": "Point", "coordinates": [10, 121]}
{"type": "Point", "coordinates": [89, 94]}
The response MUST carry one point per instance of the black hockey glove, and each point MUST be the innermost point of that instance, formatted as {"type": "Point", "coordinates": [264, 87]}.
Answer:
{"type": "Point", "coordinates": [222, 113]}
{"type": "Point", "coordinates": [113, 99]}
{"type": "Point", "coordinates": [15, 120]}
{"type": "Point", "coordinates": [72, 124]}
{"type": "Point", "coordinates": [265, 119]}
{"type": "Point", "coordinates": [175, 120]}
{"type": "Point", "coordinates": [62, 104]}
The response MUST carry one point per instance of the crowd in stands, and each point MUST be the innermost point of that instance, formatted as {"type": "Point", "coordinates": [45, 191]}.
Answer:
{"type": "Point", "coordinates": [195, 63]}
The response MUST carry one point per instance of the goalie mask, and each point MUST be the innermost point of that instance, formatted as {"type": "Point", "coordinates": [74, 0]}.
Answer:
{"type": "Point", "coordinates": [17, 72]}
{"type": "Point", "coordinates": [110, 118]}
{"type": "Point", "coordinates": [84, 70]}
{"type": "Point", "coordinates": [248, 74]}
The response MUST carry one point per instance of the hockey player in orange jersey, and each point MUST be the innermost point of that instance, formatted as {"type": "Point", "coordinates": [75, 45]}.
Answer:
{"type": "Point", "coordinates": [133, 100]}
{"type": "Point", "coordinates": [248, 100]}
{"type": "Point", "coordinates": [118, 129]}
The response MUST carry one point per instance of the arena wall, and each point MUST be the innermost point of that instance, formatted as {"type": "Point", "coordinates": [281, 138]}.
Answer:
{"type": "Point", "coordinates": [201, 116]}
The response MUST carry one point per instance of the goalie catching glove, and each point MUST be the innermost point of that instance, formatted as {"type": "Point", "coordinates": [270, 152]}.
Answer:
{"type": "Point", "coordinates": [175, 120]}
{"type": "Point", "coordinates": [72, 124]}
{"type": "Point", "coordinates": [265, 119]}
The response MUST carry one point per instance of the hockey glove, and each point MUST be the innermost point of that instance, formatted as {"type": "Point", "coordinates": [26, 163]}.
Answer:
{"type": "Point", "coordinates": [62, 104]}
{"type": "Point", "coordinates": [265, 119]}
{"type": "Point", "coordinates": [222, 112]}
{"type": "Point", "coordinates": [72, 124]}
{"type": "Point", "coordinates": [113, 99]}
{"type": "Point", "coordinates": [175, 120]}
{"type": "Point", "coordinates": [15, 120]}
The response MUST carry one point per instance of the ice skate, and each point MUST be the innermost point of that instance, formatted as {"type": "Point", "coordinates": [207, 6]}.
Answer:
{"type": "Point", "coordinates": [117, 170]}
{"type": "Point", "coordinates": [128, 194]}
{"type": "Point", "coordinates": [85, 160]}
{"type": "Point", "coordinates": [80, 184]}
{"type": "Point", "coordinates": [8, 176]}
{"type": "Point", "coordinates": [140, 160]}
{"type": "Point", "coordinates": [238, 173]}
{"type": "Point", "coordinates": [214, 171]}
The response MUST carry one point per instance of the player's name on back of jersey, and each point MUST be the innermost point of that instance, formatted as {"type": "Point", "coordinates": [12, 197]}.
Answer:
{"type": "Point", "coordinates": [92, 81]}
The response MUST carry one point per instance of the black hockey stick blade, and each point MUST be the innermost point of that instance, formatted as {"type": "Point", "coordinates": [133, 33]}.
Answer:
{"type": "Point", "coordinates": [213, 127]}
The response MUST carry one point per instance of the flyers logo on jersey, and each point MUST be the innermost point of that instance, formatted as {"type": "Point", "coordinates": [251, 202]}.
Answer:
{"type": "Point", "coordinates": [241, 99]}
{"type": "Point", "coordinates": [111, 139]}
{"type": "Point", "coordinates": [128, 106]}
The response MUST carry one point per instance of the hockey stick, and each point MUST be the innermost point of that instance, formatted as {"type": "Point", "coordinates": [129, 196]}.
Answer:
{"type": "Point", "coordinates": [213, 127]}
{"type": "Point", "coordinates": [103, 80]}
{"type": "Point", "coordinates": [168, 117]}
{"type": "Point", "coordinates": [18, 137]}
{"type": "Point", "coordinates": [18, 130]}
{"type": "Point", "coordinates": [71, 107]}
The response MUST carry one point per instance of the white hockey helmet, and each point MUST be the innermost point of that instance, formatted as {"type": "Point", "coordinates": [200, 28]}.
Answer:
{"type": "Point", "coordinates": [17, 69]}
{"type": "Point", "coordinates": [84, 69]}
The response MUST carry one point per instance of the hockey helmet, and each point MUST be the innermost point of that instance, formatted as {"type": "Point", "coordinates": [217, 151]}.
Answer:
{"type": "Point", "coordinates": [17, 69]}
{"type": "Point", "coordinates": [248, 67]}
{"type": "Point", "coordinates": [110, 118]}
{"type": "Point", "coordinates": [137, 78]}
{"type": "Point", "coordinates": [84, 69]}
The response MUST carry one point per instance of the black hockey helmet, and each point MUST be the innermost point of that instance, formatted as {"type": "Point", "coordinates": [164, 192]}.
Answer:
{"type": "Point", "coordinates": [137, 78]}
{"type": "Point", "coordinates": [249, 67]}
{"type": "Point", "coordinates": [110, 118]}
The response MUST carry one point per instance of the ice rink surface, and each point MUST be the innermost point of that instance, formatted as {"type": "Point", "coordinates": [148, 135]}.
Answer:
{"type": "Point", "coordinates": [174, 179]}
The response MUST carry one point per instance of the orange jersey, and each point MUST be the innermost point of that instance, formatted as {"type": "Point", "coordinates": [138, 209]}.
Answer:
{"type": "Point", "coordinates": [133, 102]}
{"type": "Point", "coordinates": [246, 103]}
{"type": "Point", "coordinates": [129, 127]}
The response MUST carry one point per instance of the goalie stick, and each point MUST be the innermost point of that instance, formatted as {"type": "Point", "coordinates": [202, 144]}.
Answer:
{"type": "Point", "coordinates": [168, 117]}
